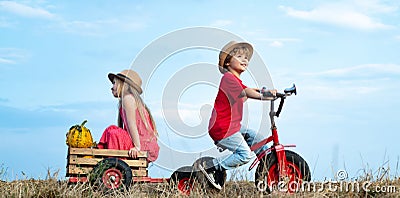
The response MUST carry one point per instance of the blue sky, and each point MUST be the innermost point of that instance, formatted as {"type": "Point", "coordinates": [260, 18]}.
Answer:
{"type": "Point", "coordinates": [343, 56]}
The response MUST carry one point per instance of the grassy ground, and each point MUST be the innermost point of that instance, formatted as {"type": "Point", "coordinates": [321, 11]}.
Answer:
{"type": "Point", "coordinates": [54, 188]}
{"type": "Point", "coordinates": [380, 185]}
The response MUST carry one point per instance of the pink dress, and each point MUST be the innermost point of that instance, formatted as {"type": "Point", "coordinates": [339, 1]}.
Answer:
{"type": "Point", "coordinates": [117, 138]}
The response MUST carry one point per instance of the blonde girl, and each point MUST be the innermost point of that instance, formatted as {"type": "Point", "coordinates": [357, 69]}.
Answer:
{"type": "Point", "coordinates": [136, 128]}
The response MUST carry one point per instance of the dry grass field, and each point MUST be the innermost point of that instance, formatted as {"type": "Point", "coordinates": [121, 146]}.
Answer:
{"type": "Point", "coordinates": [52, 187]}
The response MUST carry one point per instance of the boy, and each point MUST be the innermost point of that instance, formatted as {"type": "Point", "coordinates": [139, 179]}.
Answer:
{"type": "Point", "coordinates": [225, 122]}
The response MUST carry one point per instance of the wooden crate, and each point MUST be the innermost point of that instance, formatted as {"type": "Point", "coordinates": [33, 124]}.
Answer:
{"type": "Point", "coordinates": [80, 161]}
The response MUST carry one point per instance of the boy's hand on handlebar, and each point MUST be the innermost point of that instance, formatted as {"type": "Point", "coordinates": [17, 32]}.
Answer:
{"type": "Point", "coordinates": [273, 92]}
{"type": "Point", "coordinates": [268, 94]}
{"type": "Point", "coordinates": [260, 94]}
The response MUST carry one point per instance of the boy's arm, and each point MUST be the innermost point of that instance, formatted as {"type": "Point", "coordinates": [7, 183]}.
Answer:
{"type": "Point", "coordinates": [254, 93]}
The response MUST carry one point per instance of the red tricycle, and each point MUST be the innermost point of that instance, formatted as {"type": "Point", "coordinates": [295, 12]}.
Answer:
{"type": "Point", "coordinates": [278, 168]}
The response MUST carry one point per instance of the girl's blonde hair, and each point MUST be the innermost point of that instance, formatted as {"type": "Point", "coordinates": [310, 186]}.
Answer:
{"type": "Point", "coordinates": [124, 88]}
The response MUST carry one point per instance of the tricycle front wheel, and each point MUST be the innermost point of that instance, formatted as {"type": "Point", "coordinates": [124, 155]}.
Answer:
{"type": "Point", "coordinates": [267, 176]}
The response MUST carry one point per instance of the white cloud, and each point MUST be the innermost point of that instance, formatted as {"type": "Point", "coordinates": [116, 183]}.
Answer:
{"type": "Point", "coordinates": [25, 10]}
{"type": "Point", "coordinates": [82, 27]}
{"type": "Point", "coordinates": [339, 91]}
{"type": "Point", "coordinates": [282, 39]}
{"type": "Point", "coordinates": [279, 42]}
{"type": "Point", "coordinates": [125, 25]}
{"type": "Point", "coordinates": [337, 14]}
{"type": "Point", "coordinates": [374, 6]}
{"type": "Point", "coordinates": [6, 61]}
{"type": "Point", "coordinates": [100, 27]}
{"type": "Point", "coordinates": [276, 44]}
{"type": "Point", "coordinates": [221, 23]}
{"type": "Point", "coordinates": [367, 70]}
{"type": "Point", "coordinates": [12, 55]}
{"type": "Point", "coordinates": [397, 37]}
{"type": "Point", "coordinates": [356, 80]}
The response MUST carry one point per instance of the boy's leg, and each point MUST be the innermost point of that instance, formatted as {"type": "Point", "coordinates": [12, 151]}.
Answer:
{"type": "Point", "coordinates": [252, 138]}
{"type": "Point", "coordinates": [241, 155]}
{"type": "Point", "coordinates": [241, 152]}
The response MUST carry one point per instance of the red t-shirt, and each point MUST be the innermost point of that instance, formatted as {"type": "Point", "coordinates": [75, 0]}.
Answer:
{"type": "Point", "coordinates": [228, 108]}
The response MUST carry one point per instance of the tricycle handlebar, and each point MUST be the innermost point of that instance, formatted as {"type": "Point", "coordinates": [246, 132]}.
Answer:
{"type": "Point", "coordinates": [287, 92]}
{"type": "Point", "coordinates": [291, 90]}
{"type": "Point", "coordinates": [282, 96]}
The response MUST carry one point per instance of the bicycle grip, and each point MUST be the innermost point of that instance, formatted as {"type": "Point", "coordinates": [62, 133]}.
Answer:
{"type": "Point", "coordinates": [280, 107]}
{"type": "Point", "coordinates": [280, 95]}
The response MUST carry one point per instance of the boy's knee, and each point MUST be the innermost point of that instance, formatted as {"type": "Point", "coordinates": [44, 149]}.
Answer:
{"type": "Point", "coordinates": [245, 157]}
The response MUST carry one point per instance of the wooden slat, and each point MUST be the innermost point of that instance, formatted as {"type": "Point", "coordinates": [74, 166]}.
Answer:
{"type": "Point", "coordinates": [139, 173]}
{"type": "Point", "coordinates": [69, 157]}
{"type": "Point", "coordinates": [73, 170]}
{"type": "Point", "coordinates": [102, 152]}
{"type": "Point", "coordinates": [94, 161]}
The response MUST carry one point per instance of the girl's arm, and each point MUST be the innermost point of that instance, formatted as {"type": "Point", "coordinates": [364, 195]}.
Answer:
{"type": "Point", "coordinates": [129, 104]}
{"type": "Point", "coordinates": [255, 93]}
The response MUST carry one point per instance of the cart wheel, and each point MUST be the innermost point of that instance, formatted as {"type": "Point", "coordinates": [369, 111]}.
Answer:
{"type": "Point", "coordinates": [219, 176]}
{"type": "Point", "coordinates": [184, 179]}
{"type": "Point", "coordinates": [111, 174]}
{"type": "Point", "coordinates": [267, 173]}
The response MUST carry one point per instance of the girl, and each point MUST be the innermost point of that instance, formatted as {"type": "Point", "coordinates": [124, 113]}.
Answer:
{"type": "Point", "coordinates": [136, 129]}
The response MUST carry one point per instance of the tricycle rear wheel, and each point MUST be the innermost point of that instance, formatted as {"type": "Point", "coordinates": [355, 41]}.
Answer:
{"type": "Point", "coordinates": [219, 175]}
{"type": "Point", "coordinates": [184, 179]}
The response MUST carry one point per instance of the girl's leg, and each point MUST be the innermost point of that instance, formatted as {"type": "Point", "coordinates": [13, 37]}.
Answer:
{"type": "Point", "coordinates": [114, 137]}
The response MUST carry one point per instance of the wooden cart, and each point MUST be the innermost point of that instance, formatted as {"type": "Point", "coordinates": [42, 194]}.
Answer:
{"type": "Point", "coordinates": [113, 169]}
{"type": "Point", "coordinates": [110, 168]}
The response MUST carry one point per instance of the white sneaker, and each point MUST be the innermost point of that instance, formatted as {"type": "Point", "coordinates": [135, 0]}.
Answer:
{"type": "Point", "coordinates": [210, 177]}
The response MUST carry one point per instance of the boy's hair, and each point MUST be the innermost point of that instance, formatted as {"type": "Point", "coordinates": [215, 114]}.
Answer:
{"type": "Point", "coordinates": [235, 51]}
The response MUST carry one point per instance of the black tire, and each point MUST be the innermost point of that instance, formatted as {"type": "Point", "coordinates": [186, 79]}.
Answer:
{"type": "Point", "coordinates": [183, 179]}
{"type": "Point", "coordinates": [111, 174]}
{"type": "Point", "coordinates": [219, 176]}
{"type": "Point", "coordinates": [267, 173]}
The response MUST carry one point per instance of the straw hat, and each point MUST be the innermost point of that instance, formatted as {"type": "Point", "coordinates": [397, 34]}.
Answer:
{"type": "Point", "coordinates": [130, 77]}
{"type": "Point", "coordinates": [228, 48]}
